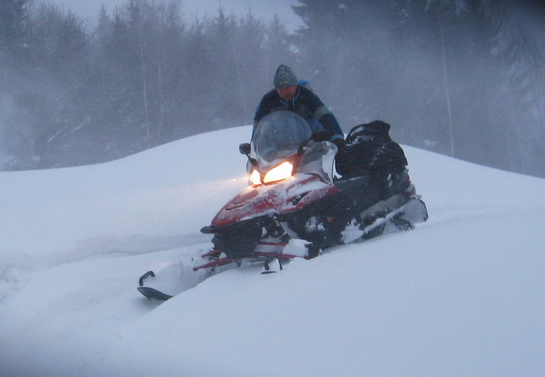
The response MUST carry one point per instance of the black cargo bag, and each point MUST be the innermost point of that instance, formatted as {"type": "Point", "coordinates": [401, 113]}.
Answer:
{"type": "Point", "coordinates": [370, 150]}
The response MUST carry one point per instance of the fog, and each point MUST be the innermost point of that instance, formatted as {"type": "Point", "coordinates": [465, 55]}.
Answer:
{"type": "Point", "coordinates": [461, 78]}
{"type": "Point", "coordinates": [262, 9]}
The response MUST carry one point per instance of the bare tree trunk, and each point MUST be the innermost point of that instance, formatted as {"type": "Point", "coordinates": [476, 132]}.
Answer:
{"type": "Point", "coordinates": [447, 85]}
{"type": "Point", "coordinates": [144, 87]}
{"type": "Point", "coordinates": [240, 77]}
{"type": "Point", "coordinates": [161, 104]}
{"type": "Point", "coordinates": [510, 150]}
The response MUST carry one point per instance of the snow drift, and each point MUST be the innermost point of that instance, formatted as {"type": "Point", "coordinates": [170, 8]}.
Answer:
{"type": "Point", "coordinates": [460, 295]}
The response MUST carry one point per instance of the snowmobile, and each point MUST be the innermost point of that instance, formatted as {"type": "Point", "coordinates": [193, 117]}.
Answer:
{"type": "Point", "coordinates": [295, 206]}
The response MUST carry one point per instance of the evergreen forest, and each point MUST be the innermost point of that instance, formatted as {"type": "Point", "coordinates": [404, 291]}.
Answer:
{"type": "Point", "coordinates": [464, 78]}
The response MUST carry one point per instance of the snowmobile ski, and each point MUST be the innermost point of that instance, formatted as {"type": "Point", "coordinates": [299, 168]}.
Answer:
{"type": "Point", "coordinates": [152, 293]}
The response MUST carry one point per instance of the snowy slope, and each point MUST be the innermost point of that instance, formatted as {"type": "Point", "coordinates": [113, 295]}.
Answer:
{"type": "Point", "coordinates": [461, 295]}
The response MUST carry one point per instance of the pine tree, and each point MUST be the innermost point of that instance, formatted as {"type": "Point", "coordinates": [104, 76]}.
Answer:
{"type": "Point", "coordinates": [13, 23]}
{"type": "Point", "coordinates": [519, 49]}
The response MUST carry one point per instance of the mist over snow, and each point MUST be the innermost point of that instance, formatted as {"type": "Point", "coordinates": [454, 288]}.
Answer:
{"type": "Point", "coordinates": [461, 295]}
{"type": "Point", "coordinates": [83, 86]}
{"type": "Point", "coordinates": [199, 9]}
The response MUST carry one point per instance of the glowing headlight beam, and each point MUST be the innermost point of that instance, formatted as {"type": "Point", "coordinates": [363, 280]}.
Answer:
{"type": "Point", "coordinates": [255, 177]}
{"type": "Point", "coordinates": [278, 173]}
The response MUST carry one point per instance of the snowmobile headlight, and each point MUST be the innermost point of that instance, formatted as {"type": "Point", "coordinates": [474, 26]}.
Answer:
{"type": "Point", "coordinates": [255, 177]}
{"type": "Point", "coordinates": [278, 173]}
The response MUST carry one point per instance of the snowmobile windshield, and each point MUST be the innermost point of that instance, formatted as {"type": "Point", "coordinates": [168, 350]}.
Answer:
{"type": "Point", "coordinates": [278, 136]}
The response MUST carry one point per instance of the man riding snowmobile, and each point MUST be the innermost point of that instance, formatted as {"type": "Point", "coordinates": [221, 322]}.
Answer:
{"type": "Point", "coordinates": [373, 189]}
{"type": "Point", "coordinates": [294, 194]}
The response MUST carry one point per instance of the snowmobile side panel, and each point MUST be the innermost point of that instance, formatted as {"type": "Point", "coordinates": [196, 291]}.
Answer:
{"type": "Point", "coordinates": [250, 203]}
{"type": "Point", "coordinates": [305, 192]}
{"type": "Point", "coordinates": [259, 201]}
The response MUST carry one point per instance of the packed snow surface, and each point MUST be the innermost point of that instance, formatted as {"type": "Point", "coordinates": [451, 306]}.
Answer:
{"type": "Point", "coordinates": [461, 295]}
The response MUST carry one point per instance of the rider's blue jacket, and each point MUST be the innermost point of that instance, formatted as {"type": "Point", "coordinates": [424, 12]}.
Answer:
{"type": "Point", "coordinates": [305, 103]}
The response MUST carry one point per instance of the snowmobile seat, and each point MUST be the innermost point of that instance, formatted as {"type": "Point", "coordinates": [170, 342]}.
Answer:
{"type": "Point", "coordinates": [365, 190]}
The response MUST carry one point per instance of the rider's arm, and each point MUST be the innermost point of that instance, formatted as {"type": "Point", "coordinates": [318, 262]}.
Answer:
{"type": "Point", "coordinates": [268, 103]}
{"type": "Point", "coordinates": [322, 113]}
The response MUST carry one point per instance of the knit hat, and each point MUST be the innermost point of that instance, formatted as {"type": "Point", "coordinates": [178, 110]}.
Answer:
{"type": "Point", "coordinates": [284, 77]}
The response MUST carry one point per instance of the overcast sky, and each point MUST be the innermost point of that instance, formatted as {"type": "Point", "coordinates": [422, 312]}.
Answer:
{"type": "Point", "coordinates": [264, 9]}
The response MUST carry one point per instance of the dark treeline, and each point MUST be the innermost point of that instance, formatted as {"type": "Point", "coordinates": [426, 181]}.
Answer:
{"type": "Point", "coordinates": [464, 78]}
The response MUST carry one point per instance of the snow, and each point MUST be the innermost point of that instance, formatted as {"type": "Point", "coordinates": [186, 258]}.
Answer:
{"type": "Point", "coordinates": [461, 295]}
